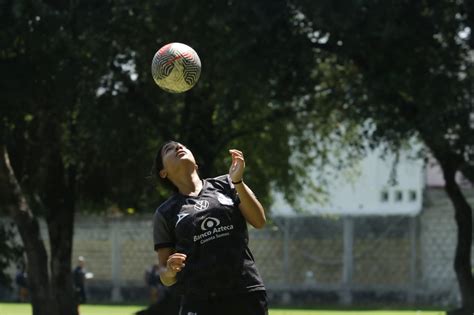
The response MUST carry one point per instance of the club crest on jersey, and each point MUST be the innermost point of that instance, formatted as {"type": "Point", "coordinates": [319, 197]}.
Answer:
{"type": "Point", "coordinates": [224, 200]}
{"type": "Point", "coordinates": [201, 205]}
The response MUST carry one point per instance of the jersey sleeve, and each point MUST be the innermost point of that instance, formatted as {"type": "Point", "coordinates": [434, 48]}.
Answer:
{"type": "Point", "coordinates": [162, 234]}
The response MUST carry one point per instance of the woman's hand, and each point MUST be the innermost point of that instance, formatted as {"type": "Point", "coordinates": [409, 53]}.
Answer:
{"type": "Point", "coordinates": [236, 170]}
{"type": "Point", "coordinates": [175, 262]}
{"type": "Point", "coordinates": [170, 263]}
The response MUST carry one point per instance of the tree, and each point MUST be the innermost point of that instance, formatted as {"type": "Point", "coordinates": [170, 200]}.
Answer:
{"type": "Point", "coordinates": [408, 70]}
{"type": "Point", "coordinates": [10, 252]}
{"type": "Point", "coordinates": [81, 116]}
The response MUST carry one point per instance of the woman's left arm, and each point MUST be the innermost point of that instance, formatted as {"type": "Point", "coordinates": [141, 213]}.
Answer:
{"type": "Point", "coordinates": [251, 208]}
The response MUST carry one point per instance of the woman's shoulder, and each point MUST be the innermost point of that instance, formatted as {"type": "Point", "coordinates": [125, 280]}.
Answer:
{"type": "Point", "coordinates": [222, 181]}
{"type": "Point", "coordinates": [168, 205]}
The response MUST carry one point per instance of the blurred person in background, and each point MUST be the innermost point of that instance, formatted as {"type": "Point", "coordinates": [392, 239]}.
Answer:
{"type": "Point", "coordinates": [21, 282]}
{"type": "Point", "coordinates": [153, 281]}
{"type": "Point", "coordinates": [201, 237]}
{"type": "Point", "coordinates": [163, 301]}
{"type": "Point", "coordinates": [80, 275]}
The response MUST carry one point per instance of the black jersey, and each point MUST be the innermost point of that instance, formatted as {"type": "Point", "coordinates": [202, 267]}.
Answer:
{"type": "Point", "coordinates": [212, 232]}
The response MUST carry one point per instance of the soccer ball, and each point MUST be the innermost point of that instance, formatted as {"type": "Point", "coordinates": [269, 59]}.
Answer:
{"type": "Point", "coordinates": [176, 67]}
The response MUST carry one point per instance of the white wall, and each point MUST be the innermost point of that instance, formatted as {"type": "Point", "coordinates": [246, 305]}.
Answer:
{"type": "Point", "coordinates": [364, 188]}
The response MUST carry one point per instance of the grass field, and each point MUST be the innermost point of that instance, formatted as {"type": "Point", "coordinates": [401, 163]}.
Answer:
{"type": "Point", "coordinates": [25, 309]}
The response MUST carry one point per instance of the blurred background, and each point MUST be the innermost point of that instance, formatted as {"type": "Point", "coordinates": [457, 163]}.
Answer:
{"type": "Point", "coordinates": [356, 119]}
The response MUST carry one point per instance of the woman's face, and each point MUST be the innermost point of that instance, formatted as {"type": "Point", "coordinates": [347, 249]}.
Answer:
{"type": "Point", "coordinates": [175, 155]}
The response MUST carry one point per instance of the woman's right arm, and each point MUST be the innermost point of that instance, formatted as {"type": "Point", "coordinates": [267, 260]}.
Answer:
{"type": "Point", "coordinates": [170, 263]}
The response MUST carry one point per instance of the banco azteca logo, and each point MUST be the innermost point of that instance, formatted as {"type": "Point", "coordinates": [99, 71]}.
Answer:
{"type": "Point", "coordinates": [209, 223]}
{"type": "Point", "coordinates": [201, 205]}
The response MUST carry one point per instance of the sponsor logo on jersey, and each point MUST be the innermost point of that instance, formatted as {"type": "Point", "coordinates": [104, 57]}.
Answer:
{"type": "Point", "coordinates": [209, 223]}
{"type": "Point", "coordinates": [212, 230]}
{"type": "Point", "coordinates": [201, 205]}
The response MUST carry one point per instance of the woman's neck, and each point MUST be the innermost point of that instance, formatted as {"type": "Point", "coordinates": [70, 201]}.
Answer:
{"type": "Point", "coordinates": [190, 185]}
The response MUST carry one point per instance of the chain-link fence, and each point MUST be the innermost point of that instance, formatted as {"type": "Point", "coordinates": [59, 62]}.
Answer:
{"type": "Point", "coordinates": [303, 259]}
{"type": "Point", "coordinates": [356, 261]}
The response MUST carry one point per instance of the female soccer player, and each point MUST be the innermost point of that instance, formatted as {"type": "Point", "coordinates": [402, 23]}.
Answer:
{"type": "Point", "coordinates": [200, 235]}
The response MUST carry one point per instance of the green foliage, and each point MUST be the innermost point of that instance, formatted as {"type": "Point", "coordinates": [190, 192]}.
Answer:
{"type": "Point", "coordinates": [82, 101]}
{"type": "Point", "coordinates": [412, 64]}
{"type": "Point", "coordinates": [277, 78]}
{"type": "Point", "coordinates": [10, 251]}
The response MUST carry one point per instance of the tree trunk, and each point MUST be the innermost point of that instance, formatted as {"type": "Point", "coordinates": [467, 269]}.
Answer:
{"type": "Point", "coordinates": [40, 289]}
{"type": "Point", "coordinates": [462, 259]}
{"type": "Point", "coordinates": [59, 199]}
{"type": "Point", "coordinates": [60, 226]}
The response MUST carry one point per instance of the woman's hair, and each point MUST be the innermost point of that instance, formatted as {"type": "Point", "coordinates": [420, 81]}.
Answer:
{"type": "Point", "coordinates": [158, 166]}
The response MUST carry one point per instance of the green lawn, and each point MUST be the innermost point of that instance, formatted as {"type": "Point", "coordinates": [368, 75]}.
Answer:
{"type": "Point", "coordinates": [348, 312]}
{"type": "Point", "coordinates": [25, 309]}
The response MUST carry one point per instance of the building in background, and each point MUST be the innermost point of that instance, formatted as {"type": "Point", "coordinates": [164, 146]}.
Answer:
{"type": "Point", "coordinates": [375, 185]}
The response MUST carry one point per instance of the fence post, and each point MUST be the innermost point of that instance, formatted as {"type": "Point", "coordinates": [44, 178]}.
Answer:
{"type": "Point", "coordinates": [115, 263]}
{"type": "Point", "coordinates": [286, 251]}
{"type": "Point", "coordinates": [286, 294]}
{"type": "Point", "coordinates": [348, 260]}
{"type": "Point", "coordinates": [413, 258]}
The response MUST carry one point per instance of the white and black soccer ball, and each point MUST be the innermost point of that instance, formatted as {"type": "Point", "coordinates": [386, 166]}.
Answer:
{"type": "Point", "coordinates": [176, 67]}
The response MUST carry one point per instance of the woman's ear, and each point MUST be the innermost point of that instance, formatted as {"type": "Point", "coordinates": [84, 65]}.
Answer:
{"type": "Point", "coordinates": [163, 173]}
